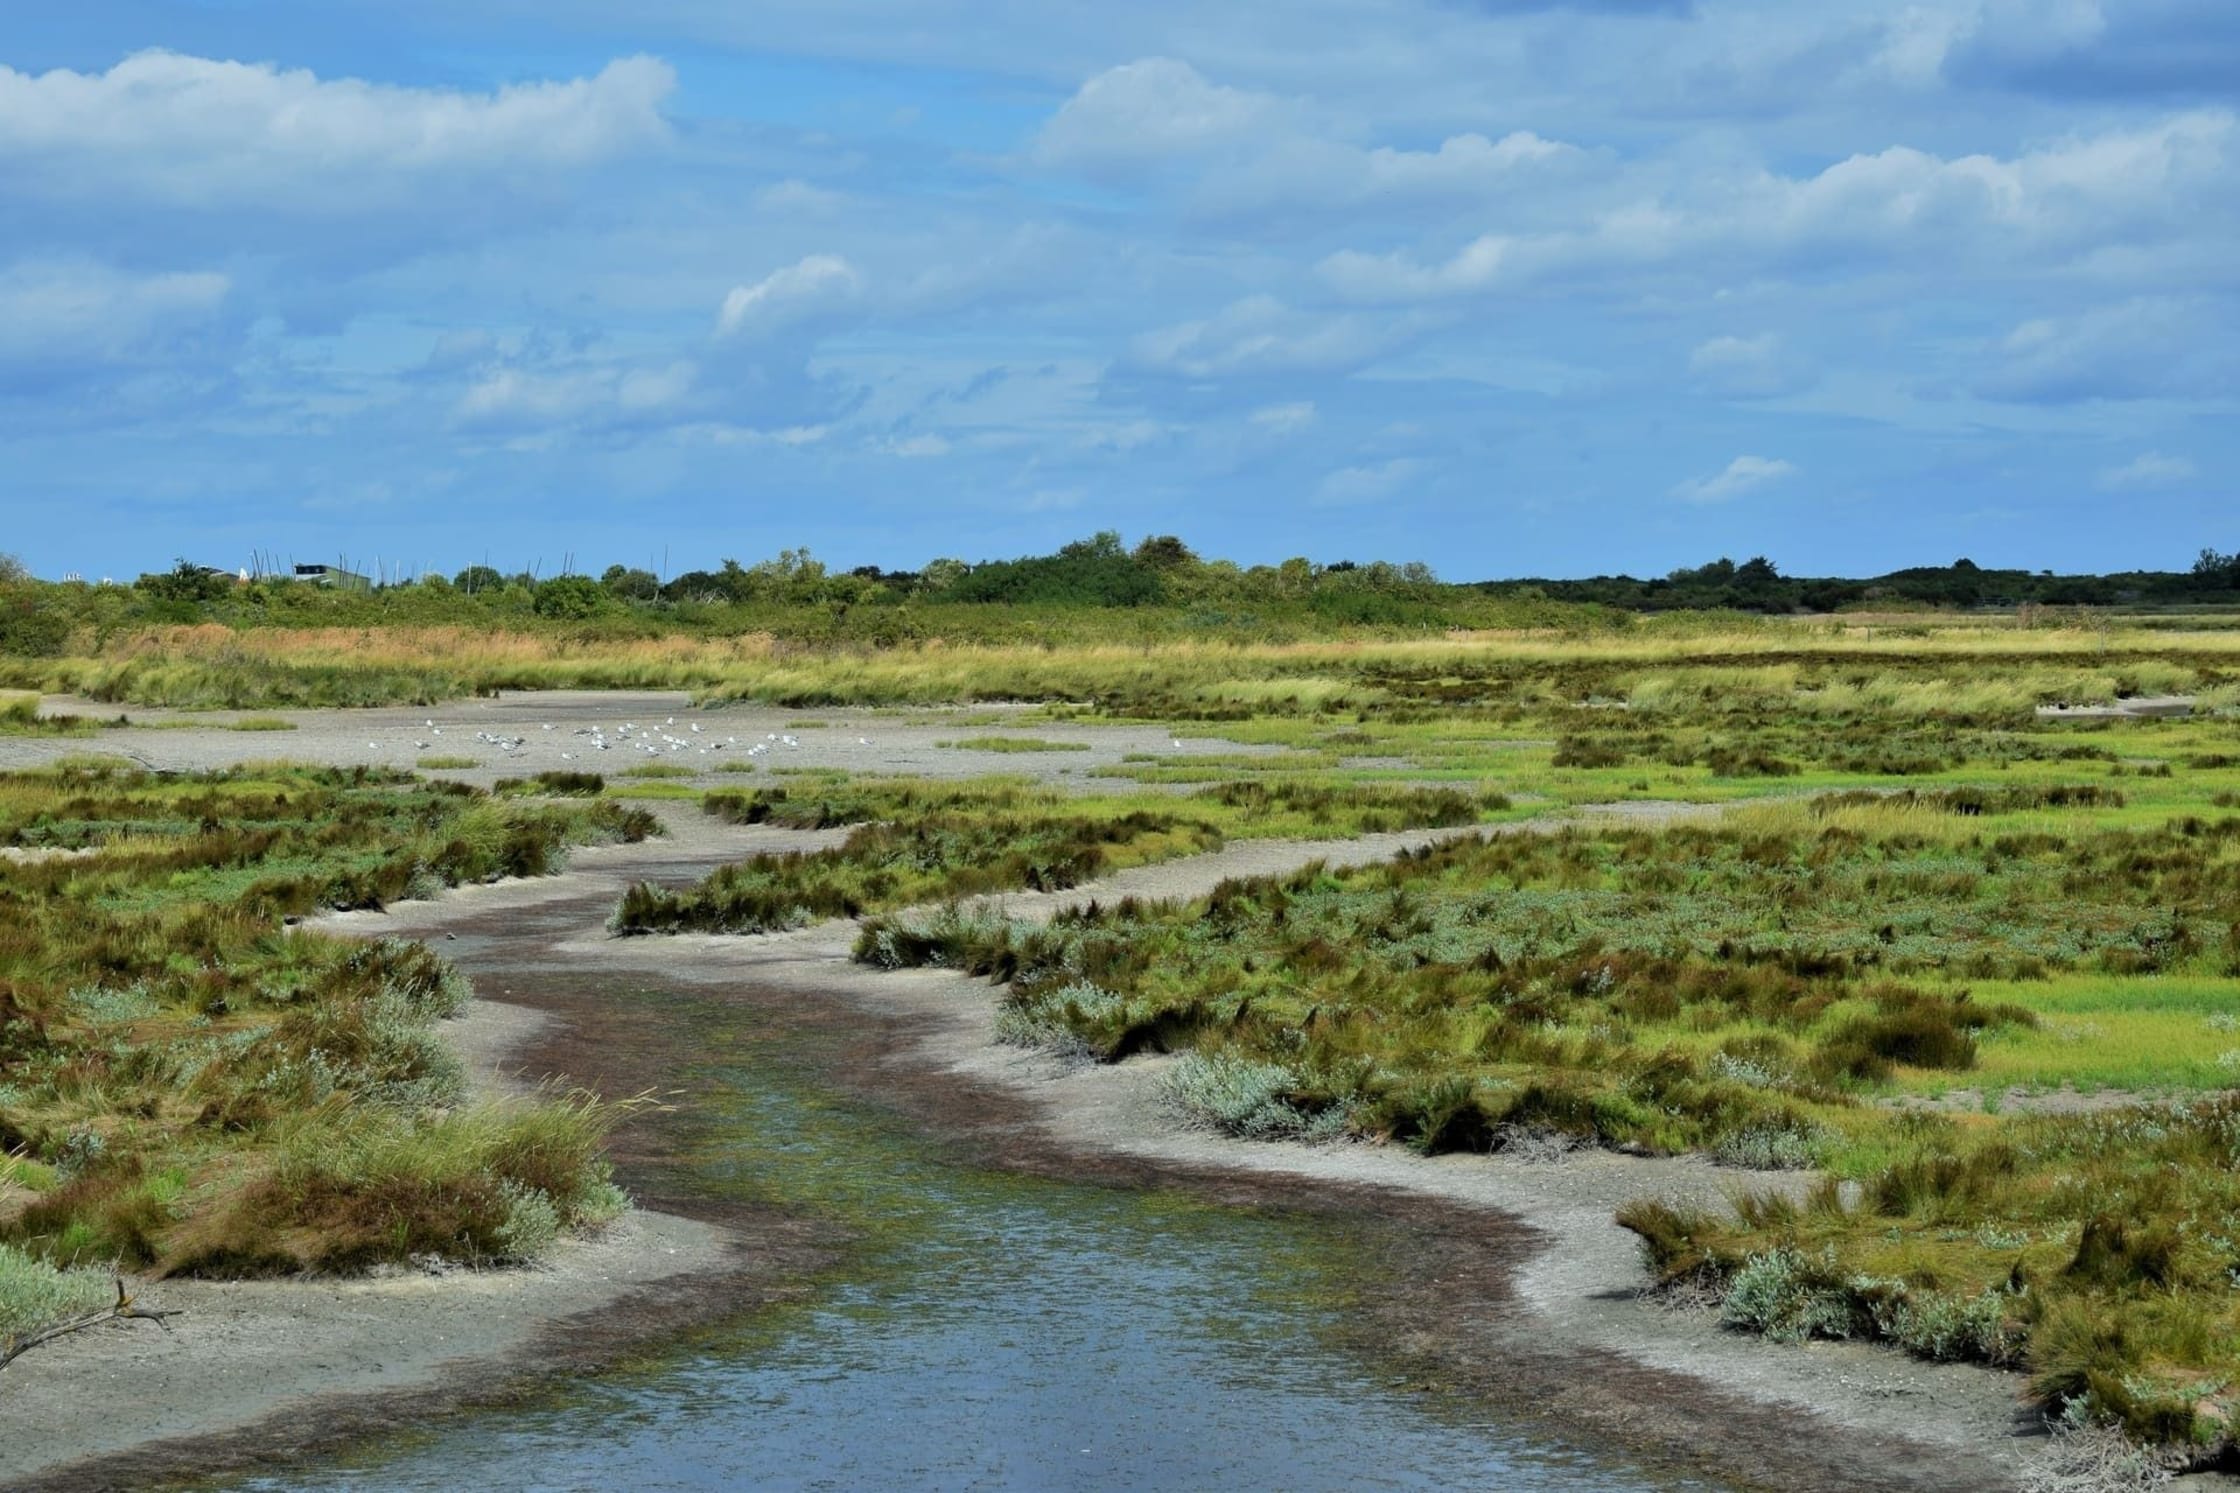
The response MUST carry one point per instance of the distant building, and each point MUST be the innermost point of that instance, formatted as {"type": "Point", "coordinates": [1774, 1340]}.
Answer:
{"type": "Point", "coordinates": [333, 575]}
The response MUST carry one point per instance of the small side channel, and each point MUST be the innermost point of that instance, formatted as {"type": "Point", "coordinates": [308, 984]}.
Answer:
{"type": "Point", "coordinates": [984, 1329]}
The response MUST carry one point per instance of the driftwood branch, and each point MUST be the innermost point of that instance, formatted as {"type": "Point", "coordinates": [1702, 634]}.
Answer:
{"type": "Point", "coordinates": [126, 1308]}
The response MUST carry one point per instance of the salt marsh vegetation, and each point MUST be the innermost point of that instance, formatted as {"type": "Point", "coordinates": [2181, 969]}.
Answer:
{"type": "Point", "coordinates": [190, 1084]}
{"type": "Point", "coordinates": [1962, 955]}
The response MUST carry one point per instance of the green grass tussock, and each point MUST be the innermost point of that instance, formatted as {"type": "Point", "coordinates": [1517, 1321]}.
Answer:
{"type": "Point", "coordinates": [1013, 744]}
{"type": "Point", "coordinates": [36, 1294]}
{"type": "Point", "coordinates": [2095, 1252]}
{"type": "Point", "coordinates": [493, 1183]}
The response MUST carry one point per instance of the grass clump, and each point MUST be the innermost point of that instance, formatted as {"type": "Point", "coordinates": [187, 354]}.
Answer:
{"type": "Point", "coordinates": [552, 785]}
{"type": "Point", "coordinates": [1013, 744]}
{"type": "Point", "coordinates": [35, 1293]}
{"type": "Point", "coordinates": [1254, 1100]}
{"type": "Point", "coordinates": [2092, 1251]}
{"type": "Point", "coordinates": [446, 762]}
{"type": "Point", "coordinates": [492, 1183]}
{"type": "Point", "coordinates": [19, 716]}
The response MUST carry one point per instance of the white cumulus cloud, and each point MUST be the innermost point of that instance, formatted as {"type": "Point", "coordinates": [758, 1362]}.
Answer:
{"type": "Point", "coordinates": [1398, 277]}
{"type": "Point", "coordinates": [2127, 188]}
{"type": "Point", "coordinates": [1285, 419]}
{"type": "Point", "coordinates": [204, 132]}
{"type": "Point", "coordinates": [1761, 367]}
{"type": "Point", "coordinates": [530, 399]}
{"type": "Point", "coordinates": [1250, 151]}
{"type": "Point", "coordinates": [2150, 347]}
{"type": "Point", "coordinates": [1260, 334]}
{"type": "Point", "coordinates": [1144, 111]}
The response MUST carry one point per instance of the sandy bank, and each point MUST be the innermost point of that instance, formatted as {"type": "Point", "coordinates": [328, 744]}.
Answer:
{"type": "Point", "coordinates": [257, 1368]}
{"type": "Point", "coordinates": [287, 1354]}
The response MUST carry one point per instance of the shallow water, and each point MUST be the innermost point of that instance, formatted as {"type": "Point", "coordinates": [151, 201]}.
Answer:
{"type": "Point", "coordinates": [987, 1330]}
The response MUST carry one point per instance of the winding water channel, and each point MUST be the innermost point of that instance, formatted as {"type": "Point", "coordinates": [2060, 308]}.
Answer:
{"type": "Point", "coordinates": [981, 1329]}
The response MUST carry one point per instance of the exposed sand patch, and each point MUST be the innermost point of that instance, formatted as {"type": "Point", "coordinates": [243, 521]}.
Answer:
{"type": "Point", "coordinates": [2140, 707]}
{"type": "Point", "coordinates": [891, 741]}
{"type": "Point", "coordinates": [247, 1352]}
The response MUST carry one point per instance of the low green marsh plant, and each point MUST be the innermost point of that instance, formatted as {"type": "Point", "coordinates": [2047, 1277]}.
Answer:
{"type": "Point", "coordinates": [19, 716]}
{"type": "Point", "coordinates": [35, 1293]}
{"type": "Point", "coordinates": [1013, 744]}
{"type": "Point", "coordinates": [561, 784]}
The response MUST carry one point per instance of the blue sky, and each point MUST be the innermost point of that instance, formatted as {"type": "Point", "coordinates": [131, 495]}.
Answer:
{"type": "Point", "coordinates": [1508, 286]}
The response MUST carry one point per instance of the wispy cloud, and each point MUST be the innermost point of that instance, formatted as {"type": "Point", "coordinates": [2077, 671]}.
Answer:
{"type": "Point", "coordinates": [1742, 475]}
{"type": "Point", "coordinates": [817, 283]}
{"type": "Point", "coordinates": [1374, 482]}
{"type": "Point", "coordinates": [1285, 419]}
{"type": "Point", "coordinates": [2149, 469]}
{"type": "Point", "coordinates": [1761, 367]}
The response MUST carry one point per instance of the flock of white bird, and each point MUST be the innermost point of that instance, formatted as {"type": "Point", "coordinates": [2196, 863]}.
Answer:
{"type": "Point", "coordinates": [653, 741]}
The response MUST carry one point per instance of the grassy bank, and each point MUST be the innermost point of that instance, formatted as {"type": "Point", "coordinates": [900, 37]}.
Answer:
{"type": "Point", "coordinates": [189, 1084]}
{"type": "Point", "coordinates": [925, 842]}
{"type": "Point", "coordinates": [1763, 988]}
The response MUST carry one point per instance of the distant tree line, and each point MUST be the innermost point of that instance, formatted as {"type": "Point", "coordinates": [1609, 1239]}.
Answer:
{"type": "Point", "coordinates": [1158, 588]}
{"type": "Point", "coordinates": [1756, 585]}
{"type": "Point", "coordinates": [1099, 572]}
{"type": "Point", "coordinates": [1094, 588]}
